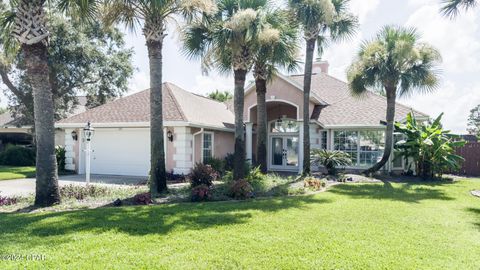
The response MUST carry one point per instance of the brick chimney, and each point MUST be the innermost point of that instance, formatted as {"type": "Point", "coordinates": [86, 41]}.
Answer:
{"type": "Point", "coordinates": [320, 66]}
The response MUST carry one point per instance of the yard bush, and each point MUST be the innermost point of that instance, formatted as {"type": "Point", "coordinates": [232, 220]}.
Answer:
{"type": "Point", "coordinates": [241, 189]}
{"type": "Point", "coordinates": [15, 155]}
{"type": "Point", "coordinates": [314, 183]}
{"type": "Point", "coordinates": [143, 198]}
{"type": "Point", "coordinates": [80, 192]}
{"type": "Point", "coordinates": [7, 200]}
{"type": "Point", "coordinates": [60, 155]}
{"type": "Point", "coordinates": [431, 148]}
{"type": "Point", "coordinates": [201, 193]}
{"type": "Point", "coordinates": [202, 174]}
{"type": "Point", "coordinates": [216, 163]}
{"type": "Point", "coordinates": [331, 160]}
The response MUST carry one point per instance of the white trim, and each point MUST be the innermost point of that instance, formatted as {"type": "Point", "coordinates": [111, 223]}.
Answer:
{"type": "Point", "coordinates": [213, 144]}
{"type": "Point", "coordinates": [193, 144]}
{"type": "Point", "coordinates": [275, 100]}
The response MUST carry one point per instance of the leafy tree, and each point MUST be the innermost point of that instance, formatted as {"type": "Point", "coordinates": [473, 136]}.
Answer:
{"type": "Point", "coordinates": [398, 63]}
{"type": "Point", "coordinates": [451, 8]}
{"type": "Point", "coordinates": [431, 148]}
{"type": "Point", "coordinates": [221, 96]}
{"type": "Point", "coordinates": [278, 47]}
{"type": "Point", "coordinates": [473, 125]}
{"type": "Point", "coordinates": [227, 40]}
{"type": "Point", "coordinates": [331, 160]}
{"type": "Point", "coordinates": [153, 16]}
{"type": "Point", "coordinates": [25, 20]}
{"type": "Point", "coordinates": [321, 21]}
{"type": "Point", "coordinates": [84, 59]}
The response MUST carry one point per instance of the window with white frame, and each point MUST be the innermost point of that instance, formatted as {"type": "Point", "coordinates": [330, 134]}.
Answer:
{"type": "Point", "coordinates": [372, 145]}
{"type": "Point", "coordinates": [207, 146]}
{"type": "Point", "coordinates": [365, 147]}
{"type": "Point", "coordinates": [347, 141]}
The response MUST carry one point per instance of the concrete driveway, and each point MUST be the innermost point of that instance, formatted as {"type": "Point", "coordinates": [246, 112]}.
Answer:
{"type": "Point", "coordinates": [24, 187]}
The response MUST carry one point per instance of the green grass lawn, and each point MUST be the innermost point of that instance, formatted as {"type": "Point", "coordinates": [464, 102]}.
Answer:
{"type": "Point", "coordinates": [11, 172]}
{"type": "Point", "coordinates": [351, 226]}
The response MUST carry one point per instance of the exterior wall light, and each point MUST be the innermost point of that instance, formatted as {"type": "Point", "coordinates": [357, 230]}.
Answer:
{"type": "Point", "coordinates": [170, 136]}
{"type": "Point", "coordinates": [74, 135]}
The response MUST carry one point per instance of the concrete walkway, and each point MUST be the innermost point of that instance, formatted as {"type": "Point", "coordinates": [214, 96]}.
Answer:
{"type": "Point", "coordinates": [24, 187]}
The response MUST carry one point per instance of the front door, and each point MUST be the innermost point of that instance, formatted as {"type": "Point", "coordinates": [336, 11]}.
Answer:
{"type": "Point", "coordinates": [284, 153]}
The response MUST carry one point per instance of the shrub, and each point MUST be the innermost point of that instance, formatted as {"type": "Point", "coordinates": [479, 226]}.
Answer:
{"type": "Point", "coordinates": [81, 192]}
{"type": "Point", "coordinates": [430, 146]}
{"type": "Point", "coordinates": [331, 160]}
{"type": "Point", "coordinates": [229, 158]}
{"type": "Point", "coordinates": [216, 163]}
{"type": "Point", "coordinates": [143, 198]}
{"type": "Point", "coordinates": [241, 189]}
{"type": "Point", "coordinates": [314, 183]}
{"type": "Point", "coordinates": [256, 178]}
{"type": "Point", "coordinates": [15, 155]}
{"type": "Point", "coordinates": [202, 174]}
{"type": "Point", "coordinates": [201, 193]}
{"type": "Point", "coordinates": [60, 155]}
{"type": "Point", "coordinates": [8, 200]}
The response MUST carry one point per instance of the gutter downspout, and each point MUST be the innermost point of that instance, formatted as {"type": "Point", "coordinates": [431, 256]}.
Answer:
{"type": "Point", "coordinates": [193, 144]}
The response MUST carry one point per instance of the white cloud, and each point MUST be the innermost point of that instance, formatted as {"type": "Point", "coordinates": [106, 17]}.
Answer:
{"type": "Point", "coordinates": [363, 8]}
{"type": "Point", "coordinates": [207, 84]}
{"type": "Point", "coordinates": [454, 101]}
{"type": "Point", "coordinates": [457, 40]}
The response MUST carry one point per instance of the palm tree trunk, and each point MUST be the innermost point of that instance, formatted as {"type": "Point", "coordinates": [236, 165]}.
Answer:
{"type": "Point", "coordinates": [261, 86]}
{"type": "Point", "coordinates": [391, 97]}
{"type": "Point", "coordinates": [239, 155]}
{"type": "Point", "coordinates": [158, 178]}
{"type": "Point", "coordinates": [307, 82]}
{"type": "Point", "coordinates": [46, 192]}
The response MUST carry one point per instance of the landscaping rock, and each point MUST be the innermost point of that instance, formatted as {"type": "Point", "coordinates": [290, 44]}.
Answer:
{"type": "Point", "coordinates": [476, 193]}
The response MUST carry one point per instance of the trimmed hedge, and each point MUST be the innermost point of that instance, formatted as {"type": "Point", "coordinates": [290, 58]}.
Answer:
{"type": "Point", "coordinates": [15, 155]}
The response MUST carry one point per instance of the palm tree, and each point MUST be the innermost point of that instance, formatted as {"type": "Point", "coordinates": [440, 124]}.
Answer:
{"type": "Point", "coordinates": [226, 40]}
{"type": "Point", "coordinates": [451, 8]}
{"type": "Point", "coordinates": [153, 16]}
{"type": "Point", "coordinates": [397, 63]}
{"type": "Point", "coordinates": [221, 96]}
{"type": "Point", "coordinates": [25, 21]}
{"type": "Point", "coordinates": [321, 21]}
{"type": "Point", "coordinates": [278, 46]}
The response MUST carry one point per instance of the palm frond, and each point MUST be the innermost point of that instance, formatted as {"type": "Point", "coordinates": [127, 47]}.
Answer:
{"type": "Point", "coordinates": [451, 8]}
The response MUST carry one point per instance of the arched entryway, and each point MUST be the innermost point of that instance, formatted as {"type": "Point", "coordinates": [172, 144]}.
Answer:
{"type": "Point", "coordinates": [285, 136]}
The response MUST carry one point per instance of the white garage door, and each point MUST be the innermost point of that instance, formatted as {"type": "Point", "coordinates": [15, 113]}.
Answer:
{"type": "Point", "coordinates": [121, 152]}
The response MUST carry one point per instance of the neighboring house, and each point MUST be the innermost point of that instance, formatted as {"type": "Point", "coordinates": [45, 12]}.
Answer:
{"type": "Point", "coordinates": [13, 132]}
{"type": "Point", "coordinates": [197, 127]}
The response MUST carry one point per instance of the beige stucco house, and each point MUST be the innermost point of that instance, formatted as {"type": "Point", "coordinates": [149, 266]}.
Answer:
{"type": "Point", "coordinates": [197, 127]}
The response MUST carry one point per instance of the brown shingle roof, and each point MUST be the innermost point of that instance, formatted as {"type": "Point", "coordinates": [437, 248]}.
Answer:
{"type": "Point", "coordinates": [178, 105]}
{"type": "Point", "coordinates": [347, 110]}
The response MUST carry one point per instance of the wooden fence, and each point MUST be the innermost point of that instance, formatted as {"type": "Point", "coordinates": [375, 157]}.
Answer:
{"type": "Point", "coordinates": [471, 153]}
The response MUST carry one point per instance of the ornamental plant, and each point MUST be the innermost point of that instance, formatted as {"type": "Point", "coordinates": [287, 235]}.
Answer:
{"type": "Point", "coordinates": [331, 160]}
{"type": "Point", "coordinates": [429, 146]}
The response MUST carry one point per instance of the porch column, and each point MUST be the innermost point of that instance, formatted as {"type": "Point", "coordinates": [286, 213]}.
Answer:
{"type": "Point", "coordinates": [183, 150]}
{"type": "Point", "coordinates": [248, 141]}
{"type": "Point", "coordinates": [300, 147]}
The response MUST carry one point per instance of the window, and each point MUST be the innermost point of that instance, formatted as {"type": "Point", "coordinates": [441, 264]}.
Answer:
{"type": "Point", "coordinates": [365, 147]}
{"type": "Point", "coordinates": [284, 126]}
{"type": "Point", "coordinates": [347, 141]}
{"type": "Point", "coordinates": [207, 149]}
{"type": "Point", "coordinates": [323, 140]}
{"type": "Point", "coordinates": [372, 145]}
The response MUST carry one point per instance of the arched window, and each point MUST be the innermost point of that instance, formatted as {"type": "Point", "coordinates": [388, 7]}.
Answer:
{"type": "Point", "coordinates": [284, 126]}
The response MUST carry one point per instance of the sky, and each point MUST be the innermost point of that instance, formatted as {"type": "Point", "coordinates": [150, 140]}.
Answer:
{"type": "Point", "coordinates": [458, 41]}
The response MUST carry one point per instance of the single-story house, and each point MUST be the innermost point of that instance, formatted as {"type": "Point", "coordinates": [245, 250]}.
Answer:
{"type": "Point", "coordinates": [197, 127]}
